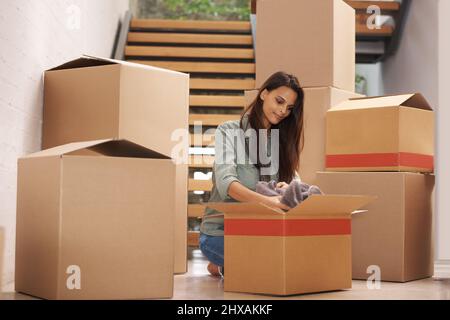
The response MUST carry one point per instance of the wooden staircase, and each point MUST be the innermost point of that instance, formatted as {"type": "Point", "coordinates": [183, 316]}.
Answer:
{"type": "Point", "coordinates": [220, 59]}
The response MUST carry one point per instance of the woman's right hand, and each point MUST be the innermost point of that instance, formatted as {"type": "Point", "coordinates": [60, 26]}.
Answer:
{"type": "Point", "coordinates": [275, 202]}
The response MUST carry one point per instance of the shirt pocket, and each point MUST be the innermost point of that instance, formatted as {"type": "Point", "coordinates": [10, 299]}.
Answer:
{"type": "Point", "coordinates": [248, 175]}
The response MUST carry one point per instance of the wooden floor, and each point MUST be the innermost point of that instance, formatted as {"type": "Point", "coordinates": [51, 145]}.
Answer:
{"type": "Point", "coordinates": [198, 285]}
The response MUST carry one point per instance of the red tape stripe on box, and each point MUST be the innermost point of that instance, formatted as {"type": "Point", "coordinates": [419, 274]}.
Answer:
{"type": "Point", "coordinates": [310, 227]}
{"type": "Point", "coordinates": [380, 160]}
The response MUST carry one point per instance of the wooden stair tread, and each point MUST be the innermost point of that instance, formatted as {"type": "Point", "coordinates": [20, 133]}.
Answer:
{"type": "Point", "coordinates": [216, 101]}
{"type": "Point", "coordinates": [193, 238]}
{"type": "Point", "coordinates": [201, 67]}
{"type": "Point", "coordinates": [189, 52]}
{"type": "Point", "coordinates": [199, 185]}
{"type": "Point", "coordinates": [201, 161]}
{"type": "Point", "coordinates": [362, 30]}
{"type": "Point", "coordinates": [242, 26]}
{"type": "Point", "coordinates": [212, 119]}
{"type": "Point", "coordinates": [195, 210]}
{"type": "Point", "coordinates": [161, 37]}
{"type": "Point", "coordinates": [384, 5]}
{"type": "Point", "coordinates": [202, 140]}
{"type": "Point", "coordinates": [222, 84]}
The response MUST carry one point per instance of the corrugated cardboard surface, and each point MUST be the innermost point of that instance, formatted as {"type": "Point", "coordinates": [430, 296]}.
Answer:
{"type": "Point", "coordinates": [315, 40]}
{"type": "Point", "coordinates": [316, 104]}
{"type": "Point", "coordinates": [88, 100]}
{"type": "Point", "coordinates": [396, 232]}
{"type": "Point", "coordinates": [303, 252]}
{"type": "Point", "coordinates": [110, 216]}
{"type": "Point", "coordinates": [380, 134]}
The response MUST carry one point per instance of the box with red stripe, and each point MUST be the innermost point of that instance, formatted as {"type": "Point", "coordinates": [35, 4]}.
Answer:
{"type": "Point", "coordinates": [304, 250]}
{"type": "Point", "coordinates": [390, 133]}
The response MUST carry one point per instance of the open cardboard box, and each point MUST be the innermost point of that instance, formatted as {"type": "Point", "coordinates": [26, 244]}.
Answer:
{"type": "Point", "coordinates": [304, 250]}
{"type": "Point", "coordinates": [95, 221]}
{"type": "Point", "coordinates": [389, 133]}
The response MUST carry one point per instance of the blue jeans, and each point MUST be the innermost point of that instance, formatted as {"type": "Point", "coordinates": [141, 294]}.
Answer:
{"type": "Point", "coordinates": [212, 248]}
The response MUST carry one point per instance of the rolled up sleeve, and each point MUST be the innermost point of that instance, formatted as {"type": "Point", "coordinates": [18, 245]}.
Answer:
{"type": "Point", "coordinates": [225, 166]}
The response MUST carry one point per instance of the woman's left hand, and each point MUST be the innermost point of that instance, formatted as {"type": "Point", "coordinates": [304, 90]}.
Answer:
{"type": "Point", "coordinates": [282, 185]}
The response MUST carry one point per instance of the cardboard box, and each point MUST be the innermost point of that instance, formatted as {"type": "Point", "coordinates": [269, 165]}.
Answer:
{"type": "Point", "coordinates": [94, 98]}
{"type": "Point", "coordinates": [305, 250]}
{"type": "Point", "coordinates": [316, 104]}
{"type": "Point", "coordinates": [95, 221]}
{"type": "Point", "coordinates": [391, 133]}
{"type": "Point", "coordinates": [314, 40]}
{"type": "Point", "coordinates": [397, 234]}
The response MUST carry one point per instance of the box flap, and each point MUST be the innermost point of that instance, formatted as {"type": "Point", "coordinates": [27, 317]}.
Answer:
{"type": "Point", "coordinates": [407, 100]}
{"type": "Point", "coordinates": [331, 205]}
{"type": "Point", "coordinates": [108, 147]}
{"type": "Point", "coordinates": [243, 208]}
{"type": "Point", "coordinates": [66, 148]}
{"type": "Point", "coordinates": [91, 61]}
{"type": "Point", "coordinates": [84, 62]}
{"type": "Point", "coordinates": [125, 148]}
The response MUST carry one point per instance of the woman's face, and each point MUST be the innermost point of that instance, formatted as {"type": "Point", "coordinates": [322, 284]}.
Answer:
{"type": "Point", "coordinates": [278, 104]}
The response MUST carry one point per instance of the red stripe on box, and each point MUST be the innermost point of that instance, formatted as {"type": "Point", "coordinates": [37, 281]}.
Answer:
{"type": "Point", "coordinates": [380, 160]}
{"type": "Point", "coordinates": [309, 227]}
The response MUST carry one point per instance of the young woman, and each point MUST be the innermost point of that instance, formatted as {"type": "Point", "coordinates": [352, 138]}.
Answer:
{"type": "Point", "coordinates": [279, 105]}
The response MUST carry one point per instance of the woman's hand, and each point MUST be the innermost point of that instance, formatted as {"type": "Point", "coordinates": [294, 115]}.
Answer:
{"type": "Point", "coordinates": [275, 202]}
{"type": "Point", "coordinates": [282, 185]}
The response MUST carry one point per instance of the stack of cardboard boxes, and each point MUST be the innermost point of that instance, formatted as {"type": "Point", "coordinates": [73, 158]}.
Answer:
{"type": "Point", "coordinates": [384, 146]}
{"type": "Point", "coordinates": [103, 212]}
{"type": "Point", "coordinates": [307, 249]}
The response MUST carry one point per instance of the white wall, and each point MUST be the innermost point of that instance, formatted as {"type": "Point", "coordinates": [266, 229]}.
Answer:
{"type": "Point", "coordinates": [415, 66]}
{"type": "Point", "coordinates": [422, 65]}
{"type": "Point", "coordinates": [374, 76]}
{"type": "Point", "coordinates": [36, 35]}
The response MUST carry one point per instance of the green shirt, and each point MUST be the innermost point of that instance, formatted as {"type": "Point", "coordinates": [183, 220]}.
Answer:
{"type": "Point", "coordinates": [226, 173]}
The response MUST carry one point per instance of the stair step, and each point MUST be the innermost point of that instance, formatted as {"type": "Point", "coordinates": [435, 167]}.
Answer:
{"type": "Point", "coordinates": [383, 5]}
{"type": "Point", "coordinates": [199, 185]}
{"type": "Point", "coordinates": [193, 238]}
{"type": "Point", "coordinates": [202, 140]}
{"type": "Point", "coordinates": [177, 52]}
{"type": "Point", "coordinates": [241, 26]}
{"type": "Point", "coordinates": [222, 84]}
{"type": "Point", "coordinates": [212, 39]}
{"type": "Point", "coordinates": [212, 119]}
{"type": "Point", "coordinates": [201, 162]}
{"type": "Point", "coordinates": [196, 210]}
{"type": "Point", "coordinates": [216, 101]}
{"type": "Point", "coordinates": [201, 67]}
{"type": "Point", "coordinates": [385, 31]}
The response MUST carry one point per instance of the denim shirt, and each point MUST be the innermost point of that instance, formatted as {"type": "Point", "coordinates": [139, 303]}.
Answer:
{"type": "Point", "coordinates": [226, 173]}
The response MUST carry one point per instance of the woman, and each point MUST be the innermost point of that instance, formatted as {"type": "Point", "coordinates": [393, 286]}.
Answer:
{"type": "Point", "coordinates": [279, 105]}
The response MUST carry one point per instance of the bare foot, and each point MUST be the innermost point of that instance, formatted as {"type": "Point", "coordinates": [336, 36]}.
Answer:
{"type": "Point", "coordinates": [213, 269]}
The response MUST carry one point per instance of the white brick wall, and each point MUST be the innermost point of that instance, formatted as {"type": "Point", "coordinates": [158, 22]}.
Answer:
{"type": "Point", "coordinates": [36, 35]}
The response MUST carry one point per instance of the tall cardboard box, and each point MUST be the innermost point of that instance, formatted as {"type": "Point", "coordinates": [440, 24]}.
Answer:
{"type": "Point", "coordinates": [391, 133]}
{"type": "Point", "coordinates": [316, 104]}
{"type": "Point", "coordinates": [315, 40]}
{"type": "Point", "coordinates": [93, 98]}
{"type": "Point", "coordinates": [396, 234]}
{"type": "Point", "coordinates": [95, 221]}
{"type": "Point", "coordinates": [304, 250]}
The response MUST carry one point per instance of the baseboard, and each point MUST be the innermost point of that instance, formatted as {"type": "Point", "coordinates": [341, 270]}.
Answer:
{"type": "Point", "coordinates": [442, 269]}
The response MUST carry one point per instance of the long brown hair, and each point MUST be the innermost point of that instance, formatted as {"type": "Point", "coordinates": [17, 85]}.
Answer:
{"type": "Point", "coordinates": [290, 128]}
